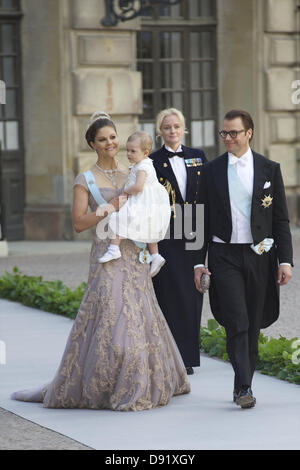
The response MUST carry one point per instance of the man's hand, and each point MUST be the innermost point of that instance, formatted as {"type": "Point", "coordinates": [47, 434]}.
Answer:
{"type": "Point", "coordinates": [284, 274]}
{"type": "Point", "coordinates": [197, 277]}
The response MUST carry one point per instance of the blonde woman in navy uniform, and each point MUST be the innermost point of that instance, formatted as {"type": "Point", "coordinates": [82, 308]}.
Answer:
{"type": "Point", "coordinates": [178, 168]}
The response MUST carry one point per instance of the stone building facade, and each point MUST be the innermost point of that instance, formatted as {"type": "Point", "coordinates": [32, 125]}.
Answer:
{"type": "Point", "coordinates": [204, 56]}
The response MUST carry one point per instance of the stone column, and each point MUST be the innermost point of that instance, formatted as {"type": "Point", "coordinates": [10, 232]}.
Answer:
{"type": "Point", "coordinates": [47, 165]}
{"type": "Point", "coordinates": [72, 66]}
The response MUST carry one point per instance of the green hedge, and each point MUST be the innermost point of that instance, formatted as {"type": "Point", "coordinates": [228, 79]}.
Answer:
{"type": "Point", "coordinates": [51, 296]}
{"type": "Point", "coordinates": [277, 357]}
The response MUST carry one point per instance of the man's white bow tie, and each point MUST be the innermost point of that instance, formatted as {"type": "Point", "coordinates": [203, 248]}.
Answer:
{"type": "Point", "coordinates": [240, 160]}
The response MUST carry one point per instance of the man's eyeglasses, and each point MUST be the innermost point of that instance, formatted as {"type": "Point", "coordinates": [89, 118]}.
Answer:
{"type": "Point", "coordinates": [233, 134]}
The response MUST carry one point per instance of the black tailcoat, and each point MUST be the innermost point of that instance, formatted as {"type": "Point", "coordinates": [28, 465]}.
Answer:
{"type": "Point", "coordinates": [174, 286]}
{"type": "Point", "coordinates": [266, 222]}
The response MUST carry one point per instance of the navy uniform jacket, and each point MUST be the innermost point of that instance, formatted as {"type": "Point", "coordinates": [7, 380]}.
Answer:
{"type": "Point", "coordinates": [174, 285]}
{"type": "Point", "coordinates": [194, 161]}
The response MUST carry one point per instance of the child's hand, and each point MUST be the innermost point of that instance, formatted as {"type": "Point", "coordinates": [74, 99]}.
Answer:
{"type": "Point", "coordinates": [118, 202]}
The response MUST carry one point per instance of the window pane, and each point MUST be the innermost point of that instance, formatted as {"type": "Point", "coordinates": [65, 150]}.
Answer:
{"type": "Point", "coordinates": [9, 71]}
{"type": "Point", "coordinates": [148, 110]}
{"type": "Point", "coordinates": [170, 45]}
{"type": "Point", "coordinates": [1, 135]}
{"type": "Point", "coordinates": [177, 101]}
{"type": "Point", "coordinates": [172, 100]}
{"type": "Point", "coordinates": [206, 43]}
{"type": "Point", "coordinates": [207, 8]}
{"type": "Point", "coordinates": [195, 75]}
{"type": "Point", "coordinates": [166, 100]}
{"type": "Point", "coordinates": [194, 8]}
{"type": "Point", "coordinates": [172, 11]}
{"type": "Point", "coordinates": [207, 74]}
{"type": "Point", "coordinates": [150, 128]}
{"type": "Point", "coordinates": [12, 137]}
{"type": "Point", "coordinates": [208, 103]}
{"type": "Point", "coordinates": [171, 74]}
{"type": "Point", "coordinates": [9, 4]}
{"type": "Point", "coordinates": [8, 39]}
{"type": "Point", "coordinates": [147, 74]}
{"type": "Point", "coordinates": [209, 133]}
{"type": "Point", "coordinates": [10, 108]}
{"type": "Point", "coordinates": [144, 45]}
{"type": "Point", "coordinates": [196, 107]}
{"type": "Point", "coordinates": [197, 134]}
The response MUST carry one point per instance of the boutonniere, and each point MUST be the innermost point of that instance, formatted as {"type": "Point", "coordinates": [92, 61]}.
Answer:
{"type": "Point", "coordinates": [165, 165]}
{"type": "Point", "coordinates": [267, 201]}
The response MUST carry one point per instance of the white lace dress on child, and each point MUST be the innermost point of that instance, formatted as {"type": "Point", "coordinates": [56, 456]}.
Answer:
{"type": "Point", "coordinates": [146, 216]}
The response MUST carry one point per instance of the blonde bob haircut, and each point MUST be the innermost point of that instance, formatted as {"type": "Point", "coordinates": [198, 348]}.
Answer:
{"type": "Point", "coordinates": [169, 112]}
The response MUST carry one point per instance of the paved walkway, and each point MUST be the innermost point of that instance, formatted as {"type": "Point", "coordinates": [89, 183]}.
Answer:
{"type": "Point", "coordinates": [204, 419]}
{"type": "Point", "coordinates": [208, 419]}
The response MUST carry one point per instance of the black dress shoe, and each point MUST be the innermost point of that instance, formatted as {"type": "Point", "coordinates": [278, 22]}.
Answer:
{"type": "Point", "coordinates": [245, 399]}
{"type": "Point", "coordinates": [189, 370]}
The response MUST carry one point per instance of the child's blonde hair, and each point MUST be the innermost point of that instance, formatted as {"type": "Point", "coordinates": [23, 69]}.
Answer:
{"type": "Point", "coordinates": [144, 138]}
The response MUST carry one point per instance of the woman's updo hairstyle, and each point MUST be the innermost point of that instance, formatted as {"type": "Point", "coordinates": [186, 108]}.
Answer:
{"type": "Point", "coordinates": [169, 112]}
{"type": "Point", "coordinates": [98, 120]}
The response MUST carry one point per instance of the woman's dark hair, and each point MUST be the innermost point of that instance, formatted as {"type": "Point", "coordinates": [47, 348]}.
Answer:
{"type": "Point", "coordinates": [95, 126]}
{"type": "Point", "coordinates": [245, 117]}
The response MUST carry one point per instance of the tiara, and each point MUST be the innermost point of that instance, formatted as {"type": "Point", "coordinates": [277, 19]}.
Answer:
{"type": "Point", "coordinates": [98, 115]}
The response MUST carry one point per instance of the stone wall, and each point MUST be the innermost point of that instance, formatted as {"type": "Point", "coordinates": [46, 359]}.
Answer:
{"type": "Point", "coordinates": [103, 75]}
{"type": "Point", "coordinates": [258, 62]}
{"type": "Point", "coordinates": [281, 64]}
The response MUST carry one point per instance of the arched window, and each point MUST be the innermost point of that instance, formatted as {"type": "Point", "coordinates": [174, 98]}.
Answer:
{"type": "Point", "coordinates": [176, 53]}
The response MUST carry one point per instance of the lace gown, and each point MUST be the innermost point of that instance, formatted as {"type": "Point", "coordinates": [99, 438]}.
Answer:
{"type": "Point", "coordinates": [120, 353]}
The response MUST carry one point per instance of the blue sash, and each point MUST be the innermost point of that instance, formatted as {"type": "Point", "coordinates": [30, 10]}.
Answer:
{"type": "Point", "coordinates": [91, 182]}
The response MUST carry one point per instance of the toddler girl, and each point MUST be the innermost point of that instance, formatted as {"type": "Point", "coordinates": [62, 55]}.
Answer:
{"type": "Point", "coordinates": [146, 215]}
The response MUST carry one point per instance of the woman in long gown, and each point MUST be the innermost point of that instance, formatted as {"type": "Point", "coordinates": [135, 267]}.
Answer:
{"type": "Point", "coordinates": [120, 353]}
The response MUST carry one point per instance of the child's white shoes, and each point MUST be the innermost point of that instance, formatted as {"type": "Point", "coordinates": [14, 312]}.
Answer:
{"type": "Point", "coordinates": [157, 263]}
{"type": "Point", "coordinates": [110, 255]}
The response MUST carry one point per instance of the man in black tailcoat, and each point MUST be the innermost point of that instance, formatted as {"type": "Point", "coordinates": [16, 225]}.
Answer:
{"type": "Point", "coordinates": [249, 245]}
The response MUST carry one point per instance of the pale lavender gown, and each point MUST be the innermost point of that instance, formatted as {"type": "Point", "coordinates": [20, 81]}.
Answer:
{"type": "Point", "coordinates": [120, 353]}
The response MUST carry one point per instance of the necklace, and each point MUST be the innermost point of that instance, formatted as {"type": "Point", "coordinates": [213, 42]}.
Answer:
{"type": "Point", "coordinates": [110, 174]}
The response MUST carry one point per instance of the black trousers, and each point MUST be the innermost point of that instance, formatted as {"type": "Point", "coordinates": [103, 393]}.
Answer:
{"type": "Point", "coordinates": [240, 281]}
{"type": "Point", "coordinates": [179, 300]}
